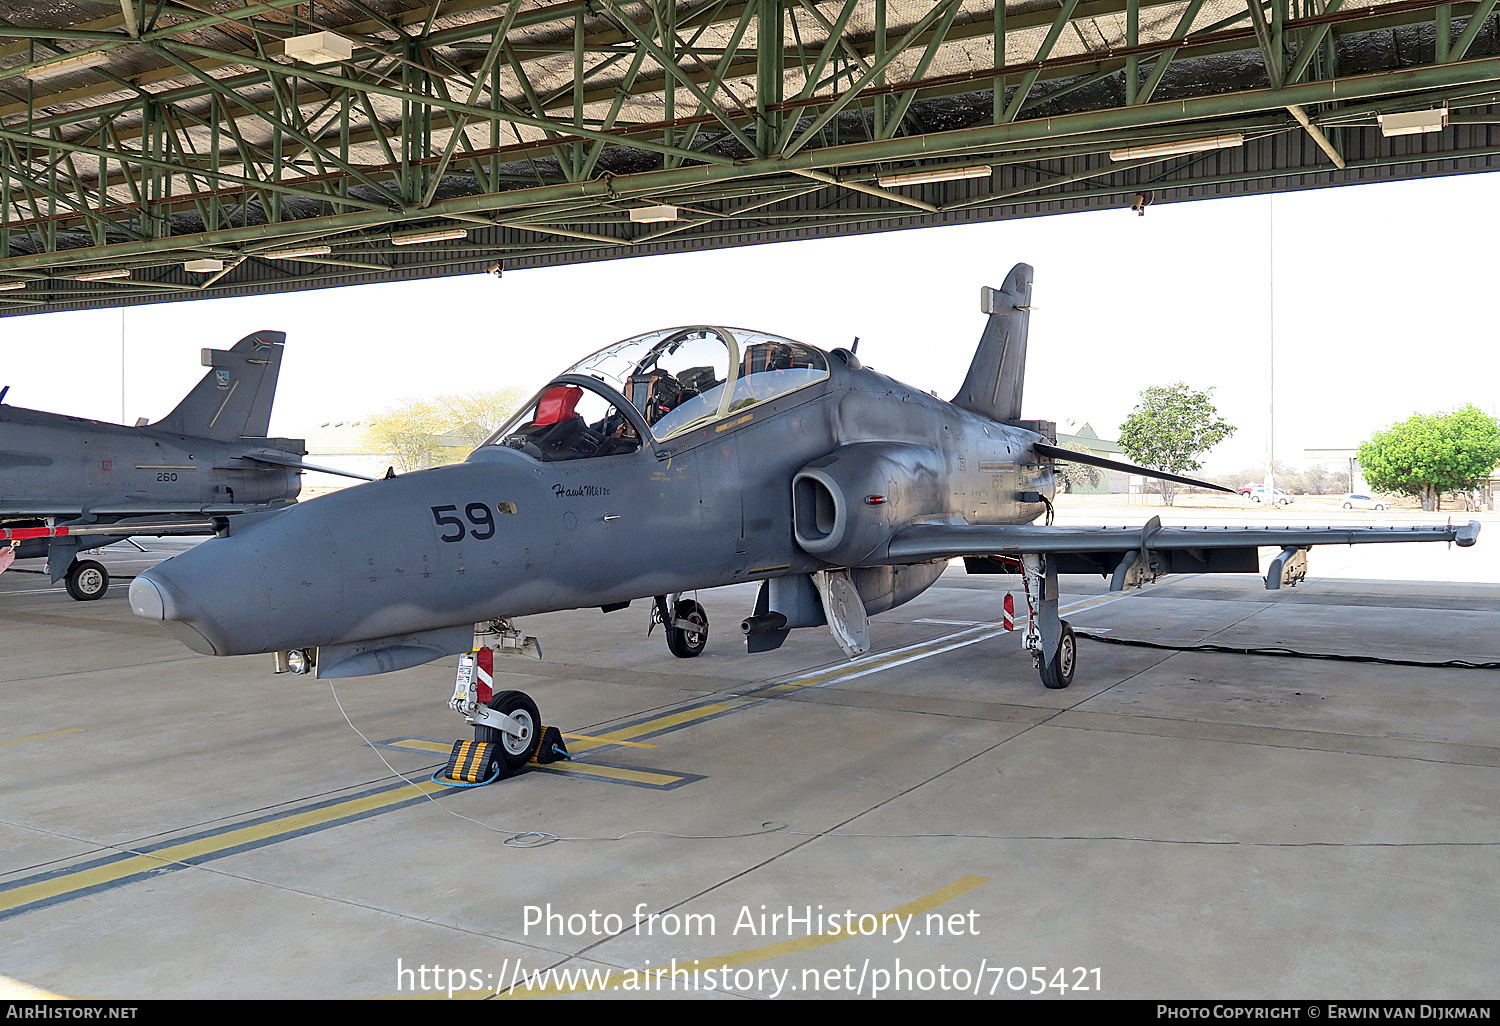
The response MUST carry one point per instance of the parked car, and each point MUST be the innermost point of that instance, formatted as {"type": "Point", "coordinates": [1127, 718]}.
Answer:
{"type": "Point", "coordinates": [1352, 501]}
{"type": "Point", "coordinates": [1257, 493]}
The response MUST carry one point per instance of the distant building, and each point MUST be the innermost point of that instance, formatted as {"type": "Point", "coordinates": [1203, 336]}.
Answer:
{"type": "Point", "coordinates": [1085, 439]}
{"type": "Point", "coordinates": [341, 445]}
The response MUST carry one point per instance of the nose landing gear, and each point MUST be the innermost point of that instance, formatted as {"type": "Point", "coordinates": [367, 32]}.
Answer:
{"type": "Point", "coordinates": [508, 730]}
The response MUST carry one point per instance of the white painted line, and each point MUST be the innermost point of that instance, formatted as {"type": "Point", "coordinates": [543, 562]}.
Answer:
{"type": "Point", "coordinates": [961, 641]}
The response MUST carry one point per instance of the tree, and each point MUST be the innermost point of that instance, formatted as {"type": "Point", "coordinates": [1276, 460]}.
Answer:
{"type": "Point", "coordinates": [1428, 454]}
{"type": "Point", "coordinates": [1171, 426]}
{"type": "Point", "coordinates": [420, 433]}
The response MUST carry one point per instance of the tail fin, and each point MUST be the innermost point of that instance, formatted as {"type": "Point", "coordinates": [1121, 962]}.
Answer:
{"type": "Point", "coordinates": [234, 398]}
{"type": "Point", "coordinates": [998, 373]}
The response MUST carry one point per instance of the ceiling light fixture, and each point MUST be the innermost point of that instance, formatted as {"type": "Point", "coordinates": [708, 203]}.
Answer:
{"type": "Point", "coordinates": [118, 272]}
{"type": "Point", "coordinates": [206, 265]}
{"type": "Point", "coordinates": [318, 48]}
{"type": "Point", "coordinates": [297, 251]}
{"type": "Point", "coordinates": [653, 215]}
{"type": "Point", "coordinates": [416, 238]}
{"type": "Point", "coordinates": [80, 62]}
{"type": "Point", "coordinates": [936, 174]}
{"type": "Point", "coordinates": [7, 286]}
{"type": "Point", "coordinates": [1413, 122]}
{"type": "Point", "coordinates": [1213, 142]}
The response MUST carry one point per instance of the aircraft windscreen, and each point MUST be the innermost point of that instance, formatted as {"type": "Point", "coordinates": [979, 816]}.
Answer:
{"type": "Point", "coordinates": [682, 378]}
{"type": "Point", "coordinates": [568, 422]}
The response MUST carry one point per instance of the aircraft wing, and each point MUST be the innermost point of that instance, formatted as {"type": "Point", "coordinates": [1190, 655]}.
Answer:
{"type": "Point", "coordinates": [289, 461]}
{"type": "Point", "coordinates": [1127, 553]}
{"type": "Point", "coordinates": [934, 541]}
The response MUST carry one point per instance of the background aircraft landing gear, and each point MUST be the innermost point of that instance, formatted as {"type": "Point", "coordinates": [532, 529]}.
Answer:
{"type": "Point", "coordinates": [687, 627]}
{"type": "Point", "coordinates": [86, 580]}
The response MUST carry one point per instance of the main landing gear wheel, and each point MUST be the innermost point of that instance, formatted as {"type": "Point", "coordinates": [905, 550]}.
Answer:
{"type": "Point", "coordinates": [683, 643]}
{"type": "Point", "coordinates": [512, 751]}
{"type": "Point", "coordinates": [1057, 672]}
{"type": "Point", "coordinates": [86, 580]}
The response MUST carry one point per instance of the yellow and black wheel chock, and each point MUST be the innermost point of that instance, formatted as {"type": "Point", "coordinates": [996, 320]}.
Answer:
{"type": "Point", "coordinates": [473, 763]}
{"type": "Point", "coordinates": [470, 762]}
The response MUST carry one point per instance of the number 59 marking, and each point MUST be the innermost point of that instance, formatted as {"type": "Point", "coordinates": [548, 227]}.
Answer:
{"type": "Point", "coordinates": [454, 529]}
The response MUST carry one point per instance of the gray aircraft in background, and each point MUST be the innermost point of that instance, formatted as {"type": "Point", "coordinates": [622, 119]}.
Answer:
{"type": "Point", "coordinates": [692, 458]}
{"type": "Point", "coordinates": [69, 484]}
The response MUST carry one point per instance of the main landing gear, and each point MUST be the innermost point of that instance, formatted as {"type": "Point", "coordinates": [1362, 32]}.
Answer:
{"type": "Point", "coordinates": [86, 580]}
{"type": "Point", "coordinates": [687, 624]}
{"type": "Point", "coordinates": [1050, 640]}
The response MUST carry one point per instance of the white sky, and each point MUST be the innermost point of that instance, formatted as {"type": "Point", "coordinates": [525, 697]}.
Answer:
{"type": "Point", "coordinates": [1384, 300]}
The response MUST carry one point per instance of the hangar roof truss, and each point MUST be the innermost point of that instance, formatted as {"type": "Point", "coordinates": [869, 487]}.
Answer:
{"type": "Point", "coordinates": [137, 136]}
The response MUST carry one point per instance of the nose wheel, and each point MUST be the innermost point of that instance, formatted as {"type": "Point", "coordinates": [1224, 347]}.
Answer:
{"type": "Point", "coordinates": [512, 746]}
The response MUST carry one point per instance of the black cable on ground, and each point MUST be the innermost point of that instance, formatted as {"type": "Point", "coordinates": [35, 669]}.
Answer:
{"type": "Point", "coordinates": [1287, 653]}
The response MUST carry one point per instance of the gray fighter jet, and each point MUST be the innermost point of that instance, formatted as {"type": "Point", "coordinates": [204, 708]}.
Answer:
{"type": "Point", "coordinates": [683, 459]}
{"type": "Point", "coordinates": [68, 484]}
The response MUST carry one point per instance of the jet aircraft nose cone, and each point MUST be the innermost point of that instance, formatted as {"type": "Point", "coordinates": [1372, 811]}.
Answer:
{"type": "Point", "coordinates": [146, 599]}
{"type": "Point", "coordinates": [158, 594]}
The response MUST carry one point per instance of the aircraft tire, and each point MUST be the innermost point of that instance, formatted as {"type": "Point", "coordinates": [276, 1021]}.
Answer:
{"type": "Point", "coordinates": [86, 580]}
{"type": "Point", "coordinates": [1057, 672]}
{"type": "Point", "coordinates": [511, 753]}
{"type": "Point", "coordinates": [684, 644]}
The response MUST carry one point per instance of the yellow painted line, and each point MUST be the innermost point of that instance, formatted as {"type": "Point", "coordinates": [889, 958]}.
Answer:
{"type": "Point", "coordinates": [418, 744]}
{"type": "Point", "coordinates": [608, 741]}
{"type": "Point", "coordinates": [583, 769]}
{"type": "Point", "coordinates": [134, 865]}
{"type": "Point", "coordinates": [670, 720]}
{"type": "Point", "coordinates": [927, 903]}
{"type": "Point", "coordinates": [589, 769]}
{"type": "Point", "coordinates": [425, 746]}
{"type": "Point", "coordinates": [38, 737]}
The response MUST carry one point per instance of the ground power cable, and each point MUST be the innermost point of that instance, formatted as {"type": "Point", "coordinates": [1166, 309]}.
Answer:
{"type": "Point", "coordinates": [1288, 653]}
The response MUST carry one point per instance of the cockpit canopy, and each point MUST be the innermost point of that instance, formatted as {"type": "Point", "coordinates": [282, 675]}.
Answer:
{"type": "Point", "coordinates": [678, 379]}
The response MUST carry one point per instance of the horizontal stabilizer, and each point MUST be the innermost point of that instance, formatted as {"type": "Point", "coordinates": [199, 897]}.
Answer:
{"type": "Point", "coordinates": [1072, 456]}
{"type": "Point", "coordinates": [289, 461]}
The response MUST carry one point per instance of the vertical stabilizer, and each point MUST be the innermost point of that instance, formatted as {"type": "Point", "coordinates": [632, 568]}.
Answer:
{"type": "Point", "coordinates": [234, 398]}
{"type": "Point", "coordinates": [998, 374]}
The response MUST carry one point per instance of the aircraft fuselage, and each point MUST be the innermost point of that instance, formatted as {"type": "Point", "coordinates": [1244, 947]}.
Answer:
{"type": "Point", "coordinates": [506, 535]}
